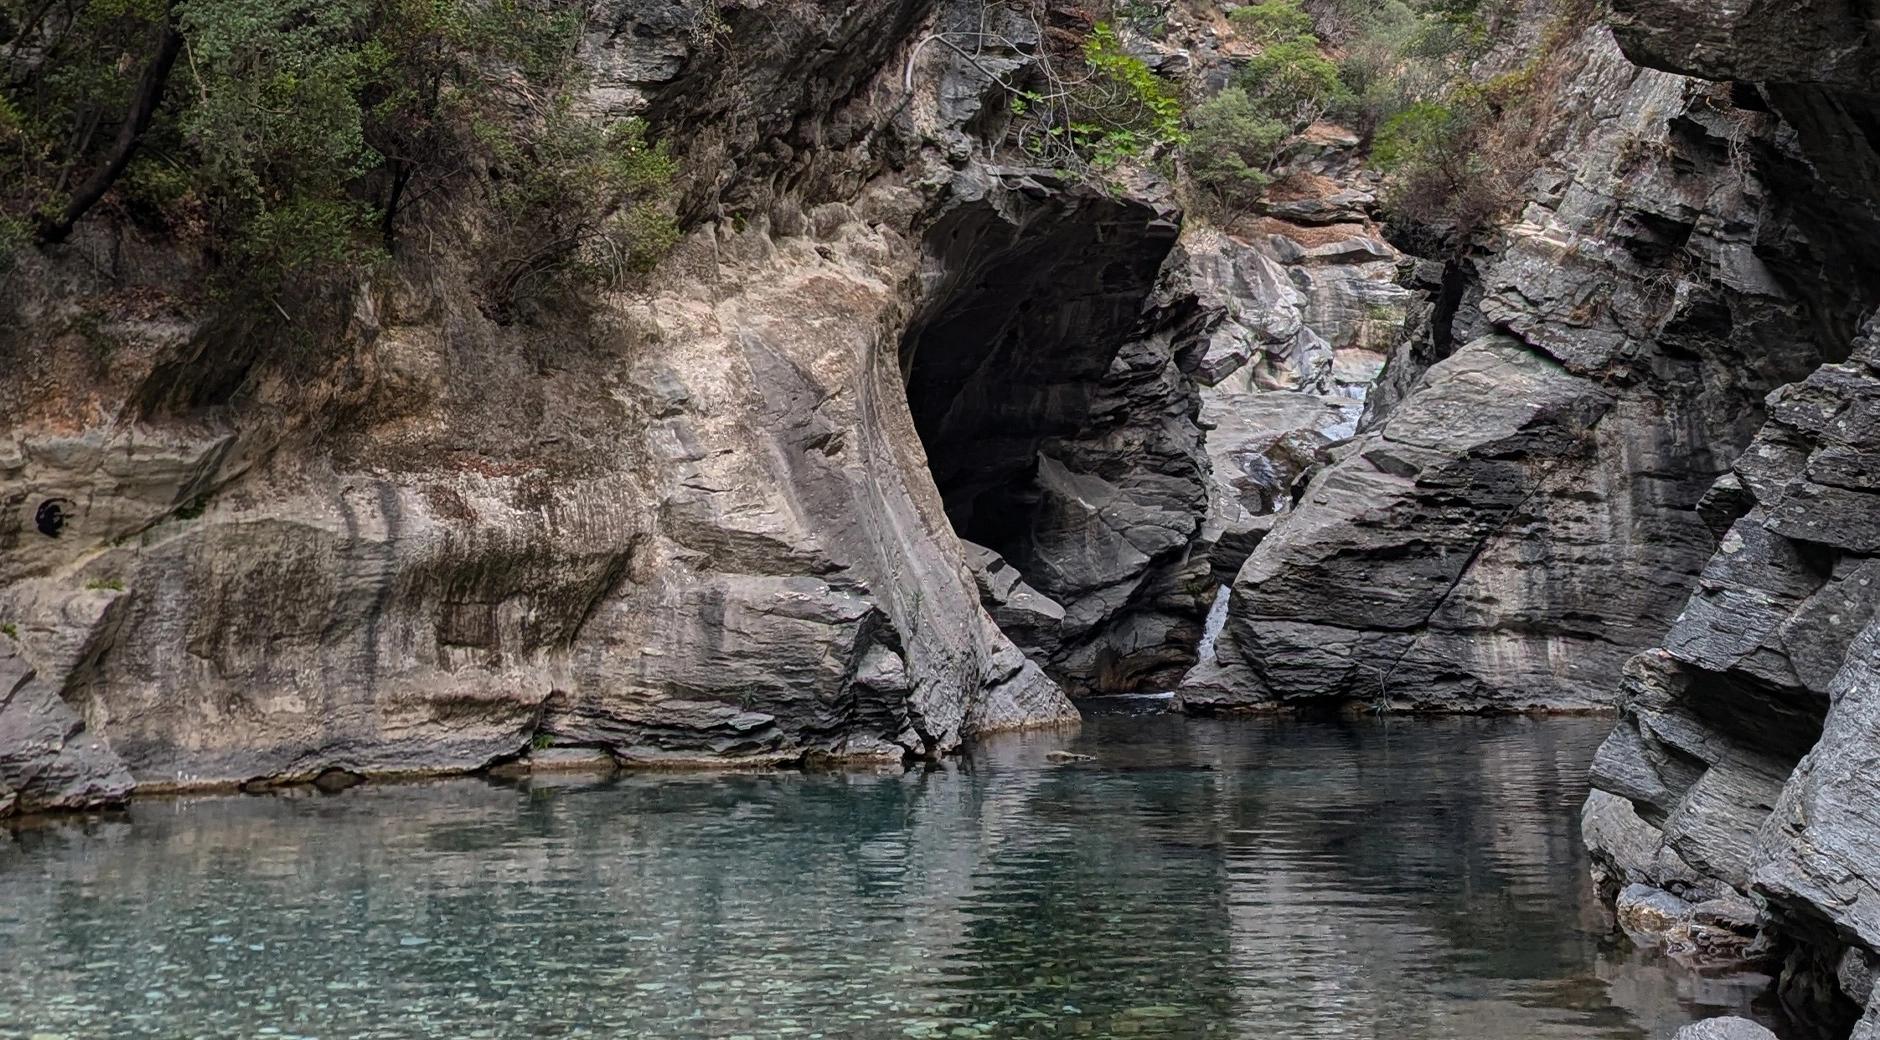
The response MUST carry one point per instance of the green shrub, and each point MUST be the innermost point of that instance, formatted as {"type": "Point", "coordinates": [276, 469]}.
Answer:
{"type": "Point", "coordinates": [1122, 108]}
{"type": "Point", "coordinates": [1292, 81]}
{"type": "Point", "coordinates": [302, 236]}
{"type": "Point", "coordinates": [582, 206]}
{"type": "Point", "coordinates": [1272, 21]}
{"type": "Point", "coordinates": [1457, 154]}
{"type": "Point", "coordinates": [1420, 134]}
{"type": "Point", "coordinates": [1231, 142]}
{"type": "Point", "coordinates": [1396, 53]}
{"type": "Point", "coordinates": [295, 139]}
{"type": "Point", "coordinates": [1441, 180]}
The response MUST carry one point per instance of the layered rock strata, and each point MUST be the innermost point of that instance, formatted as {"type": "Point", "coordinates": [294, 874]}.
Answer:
{"type": "Point", "coordinates": [697, 525]}
{"type": "Point", "coordinates": [1744, 763]}
{"type": "Point", "coordinates": [1519, 516]}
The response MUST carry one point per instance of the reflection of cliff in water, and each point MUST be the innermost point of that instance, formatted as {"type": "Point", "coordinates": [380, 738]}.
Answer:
{"type": "Point", "coordinates": [1249, 879]}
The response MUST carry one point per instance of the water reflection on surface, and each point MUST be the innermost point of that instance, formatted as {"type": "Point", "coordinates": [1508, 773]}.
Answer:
{"type": "Point", "coordinates": [1256, 879]}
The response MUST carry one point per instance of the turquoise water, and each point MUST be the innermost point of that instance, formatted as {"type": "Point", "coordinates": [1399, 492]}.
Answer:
{"type": "Point", "coordinates": [1251, 879]}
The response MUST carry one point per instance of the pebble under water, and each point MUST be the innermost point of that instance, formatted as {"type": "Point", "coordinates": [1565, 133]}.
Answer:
{"type": "Point", "coordinates": [1410, 879]}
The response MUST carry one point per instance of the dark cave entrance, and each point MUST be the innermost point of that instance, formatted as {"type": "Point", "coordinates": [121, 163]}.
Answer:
{"type": "Point", "coordinates": [1028, 300]}
{"type": "Point", "coordinates": [1027, 396]}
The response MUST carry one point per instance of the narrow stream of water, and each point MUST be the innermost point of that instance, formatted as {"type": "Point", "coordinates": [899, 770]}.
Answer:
{"type": "Point", "coordinates": [1254, 879]}
{"type": "Point", "coordinates": [1211, 629]}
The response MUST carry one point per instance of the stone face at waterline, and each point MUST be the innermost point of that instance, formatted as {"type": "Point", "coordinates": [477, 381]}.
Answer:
{"type": "Point", "coordinates": [1747, 740]}
{"type": "Point", "coordinates": [704, 531]}
{"type": "Point", "coordinates": [735, 518]}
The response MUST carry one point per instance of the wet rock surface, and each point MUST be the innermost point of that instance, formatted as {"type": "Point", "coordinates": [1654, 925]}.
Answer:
{"type": "Point", "coordinates": [1725, 1029]}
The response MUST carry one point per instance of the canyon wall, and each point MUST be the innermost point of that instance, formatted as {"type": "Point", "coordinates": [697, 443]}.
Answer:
{"type": "Point", "coordinates": [1521, 512]}
{"type": "Point", "coordinates": [695, 524]}
{"type": "Point", "coordinates": [1745, 760]}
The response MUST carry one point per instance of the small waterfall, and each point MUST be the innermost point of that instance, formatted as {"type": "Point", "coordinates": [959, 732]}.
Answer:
{"type": "Point", "coordinates": [1211, 631]}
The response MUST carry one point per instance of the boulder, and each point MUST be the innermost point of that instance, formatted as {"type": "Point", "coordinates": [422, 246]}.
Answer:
{"type": "Point", "coordinates": [1725, 1029]}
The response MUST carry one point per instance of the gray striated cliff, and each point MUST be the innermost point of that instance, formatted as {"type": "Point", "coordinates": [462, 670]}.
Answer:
{"type": "Point", "coordinates": [1744, 762]}
{"type": "Point", "coordinates": [1522, 511]}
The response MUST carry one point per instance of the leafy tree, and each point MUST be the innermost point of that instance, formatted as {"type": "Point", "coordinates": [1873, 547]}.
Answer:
{"type": "Point", "coordinates": [1272, 21]}
{"type": "Point", "coordinates": [1440, 177]}
{"type": "Point", "coordinates": [561, 203]}
{"type": "Point", "coordinates": [1231, 142]}
{"type": "Point", "coordinates": [293, 139]}
{"type": "Point", "coordinates": [1398, 53]}
{"type": "Point", "coordinates": [1422, 133]}
{"type": "Point", "coordinates": [1293, 82]}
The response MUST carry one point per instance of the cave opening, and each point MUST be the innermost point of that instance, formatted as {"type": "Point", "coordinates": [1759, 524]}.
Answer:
{"type": "Point", "coordinates": [1024, 315]}
{"type": "Point", "coordinates": [1015, 383]}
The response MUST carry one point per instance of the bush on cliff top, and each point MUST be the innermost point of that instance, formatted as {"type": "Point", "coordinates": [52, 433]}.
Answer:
{"type": "Point", "coordinates": [1121, 108]}
{"type": "Point", "coordinates": [1457, 155]}
{"type": "Point", "coordinates": [1294, 82]}
{"type": "Point", "coordinates": [1231, 142]}
{"type": "Point", "coordinates": [293, 141]}
{"type": "Point", "coordinates": [1271, 21]}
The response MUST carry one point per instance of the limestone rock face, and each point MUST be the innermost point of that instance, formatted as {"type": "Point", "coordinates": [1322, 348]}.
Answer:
{"type": "Point", "coordinates": [1519, 514]}
{"type": "Point", "coordinates": [54, 763]}
{"type": "Point", "coordinates": [1748, 742]}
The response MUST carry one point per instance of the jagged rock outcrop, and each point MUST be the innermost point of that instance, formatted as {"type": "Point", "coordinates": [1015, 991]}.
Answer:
{"type": "Point", "coordinates": [1288, 323]}
{"type": "Point", "coordinates": [1093, 485]}
{"type": "Point", "coordinates": [1746, 743]}
{"type": "Point", "coordinates": [1520, 516]}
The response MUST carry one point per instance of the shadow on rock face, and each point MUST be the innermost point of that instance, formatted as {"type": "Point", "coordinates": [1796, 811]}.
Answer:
{"type": "Point", "coordinates": [1058, 425]}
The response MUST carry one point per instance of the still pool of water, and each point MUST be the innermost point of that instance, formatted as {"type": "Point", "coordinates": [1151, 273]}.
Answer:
{"type": "Point", "coordinates": [1251, 879]}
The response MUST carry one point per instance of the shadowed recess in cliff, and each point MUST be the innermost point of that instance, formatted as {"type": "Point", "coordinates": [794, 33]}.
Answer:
{"type": "Point", "coordinates": [1025, 313]}
{"type": "Point", "coordinates": [1059, 430]}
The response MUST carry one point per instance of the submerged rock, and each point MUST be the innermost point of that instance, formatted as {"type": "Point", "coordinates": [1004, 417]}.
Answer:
{"type": "Point", "coordinates": [1725, 1029]}
{"type": "Point", "coordinates": [1717, 932]}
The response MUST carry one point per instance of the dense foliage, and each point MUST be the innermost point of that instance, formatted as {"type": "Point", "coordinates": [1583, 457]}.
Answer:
{"type": "Point", "coordinates": [1397, 71]}
{"type": "Point", "coordinates": [1457, 146]}
{"type": "Point", "coordinates": [1119, 108]}
{"type": "Point", "coordinates": [293, 141]}
{"type": "Point", "coordinates": [1231, 143]}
